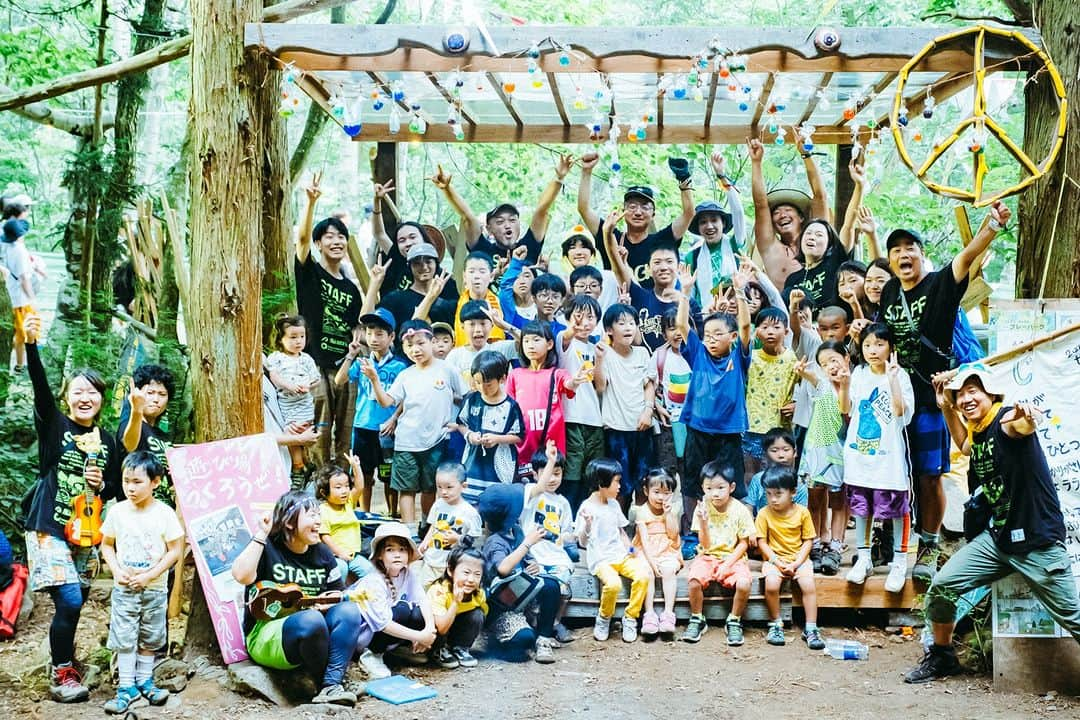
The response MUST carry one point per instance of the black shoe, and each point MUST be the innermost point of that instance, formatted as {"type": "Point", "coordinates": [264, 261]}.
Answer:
{"type": "Point", "coordinates": [815, 557]}
{"type": "Point", "coordinates": [938, 662]}
{"type": "Point", "coordinates": [830, 561]}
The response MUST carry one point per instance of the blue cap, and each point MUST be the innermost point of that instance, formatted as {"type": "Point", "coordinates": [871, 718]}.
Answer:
{"type": "Point", "coordinates": [15, 229]}
{"type": "Point", "coordinates": [500, 505]}
{"type": "Point", "coordinates": [709, 207]}
{"type": "Point", "coordinates": [381, 317]}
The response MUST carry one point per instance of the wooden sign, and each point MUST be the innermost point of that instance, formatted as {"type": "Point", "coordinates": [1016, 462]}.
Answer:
{"type": "Point", "coordinates": [223, 488]}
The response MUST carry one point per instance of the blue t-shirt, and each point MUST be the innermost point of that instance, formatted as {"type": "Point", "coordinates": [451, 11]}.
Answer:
{"type": "Point", "coordinates": [369, 413]}
{"type": "Point", "coordinates": [716, 400]}
{"type": "Point", "coordinates": [756, 498]}
{"type": "Point", "coordinates": [650, 311]}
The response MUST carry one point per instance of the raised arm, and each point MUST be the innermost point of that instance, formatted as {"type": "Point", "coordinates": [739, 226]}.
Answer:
{"type": "Point", "coordinates": [619, 266]}
{"type": "Point", "coordinates": [868, 227]}
{"type": "Point", "coordinates": [133, 432]}
{"type": "Point", "coordinates": [584, 192]}
{"type": "Point", "coordinates": [435, 288]}
{"type": "Point", "coordinates": [953, 421]}
{"type": "Point", "coordinates": [993, 223]}
{"type": "Point", "coordinates": [682, 316]}
{"type": "Point", "coordinates": [341, 377]}
{"type": "Point", "coordinates": [542, 214]}
{"type": "Point", "coordinates": [764, 236]}
{"type": "Point", "coordinates": [474, 228]}
{"type": "Point", "coordinates": [307, 218]}
{"type": "Point", "coordinates": [849, 229]}
{"type": "Point", "coordinates": [246, 565]}
{"type": "Point", "coordinates": [742, 315]}
{"type": "Point", "coordinates": [819, 199]}
{"type": "Point", "coordinates": [382, 243]}
{"type": "Point", "coordinates": [686, 196]}
{"type": "Point", "coordinates": [376, 385]}
{"type": "Point", "coordinates": [738, 217]}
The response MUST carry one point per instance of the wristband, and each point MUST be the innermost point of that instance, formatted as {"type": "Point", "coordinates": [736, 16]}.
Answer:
{"type": "Point", "coordinates": [258, 541]}
{"type": "Point", "coordinates": [996, 226]}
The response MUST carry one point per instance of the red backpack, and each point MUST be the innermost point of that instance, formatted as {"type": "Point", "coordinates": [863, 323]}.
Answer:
{"type": "Point", "coordinates": [11, 598]}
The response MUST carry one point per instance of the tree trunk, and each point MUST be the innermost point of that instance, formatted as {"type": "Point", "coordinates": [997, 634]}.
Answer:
{"type": "Point", "coordinates": [224, 320]}
{"type": "Point", "coordinates": [1054, 201]}
{"type": "Point", "coordinates": [121, 190]}
{"type": "Point", "coordinates": [277, 295]}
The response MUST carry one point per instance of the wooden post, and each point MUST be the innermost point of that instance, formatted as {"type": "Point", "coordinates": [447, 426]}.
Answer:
{"type": "Point", "coordinates": [225, 318]}
{"type": "Point", "coordinates": [386, 168]}
{"type": "Point", "coordinates": [845, 186]}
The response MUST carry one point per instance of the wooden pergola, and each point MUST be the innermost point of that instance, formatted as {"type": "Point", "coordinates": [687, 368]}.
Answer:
{"type": "Point", "coordinates": [664, 85]}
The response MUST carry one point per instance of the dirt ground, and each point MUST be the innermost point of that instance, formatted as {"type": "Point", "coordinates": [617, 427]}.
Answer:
{"type": "Point", "coordinates": [600, 681]}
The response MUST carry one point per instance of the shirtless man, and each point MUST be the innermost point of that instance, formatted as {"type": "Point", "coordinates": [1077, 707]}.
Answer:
{"type": "Point", "coordinates": [780, 214]}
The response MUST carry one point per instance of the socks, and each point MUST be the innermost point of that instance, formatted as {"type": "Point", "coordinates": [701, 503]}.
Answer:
{"type": "Point", "coordinates": [733, 618]}
{"type": "Point", "coordinates": [144, 668]}
{"type": "Point", "coordinates": [898, 541]}
{"type": "Point", "coordinates": [125, 665]}
{"type": "Point", "coordinates": [927, 537]}
{"type": "Point", "coordinates": [835, 545]}
{"type": "Point", "coordinates": [811, 626]}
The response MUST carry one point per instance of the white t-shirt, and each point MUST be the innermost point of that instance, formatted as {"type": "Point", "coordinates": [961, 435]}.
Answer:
{"type": "Point", "coordinates": [141, 536]}
{"type": "Point", "coordinates": [624, 395]}
{"type": "Point", "coordinates": [605, 535]}
{"type": "Point", "coordinates": [584, 407]}
{"type": "Point", "coordinates": [462, 518]}
{"type": "Point", "coordinates": [875, 455]}
{"type": "Point", "coordinates": [17, 261]}
{"type": "Point", "coordinates": [461, 357]}
{"type": "Point", "coordinates": [428, 396]}
{"type": "Point", "coordinates": [552, 512]}
{"type": "Point", "coordinates": [295, 370]}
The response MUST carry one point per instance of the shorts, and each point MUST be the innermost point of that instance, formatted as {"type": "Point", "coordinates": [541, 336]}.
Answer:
{"type": "Point", "coordinates": [751, 445]}
{"type": "Point", "coordinates": [414, 470]}
{"type": "Point", "coordinates": [561, 574]}
{"type": "Point", "coordinates": [137, 619]}
{"type": "Point", "coordinates": [804, 570]}
{"type": "Point", "coordinates": [21, 314]}
{"type": "Point", "coordinates": [583, 443]}
{"type": "Point", "coordinates": [707, 569]}
{"type": "Point", "coordinates": [669, 565]}
{"type": "Point", "coordinates": [703, 447]}
{"type": "Point", "coordinates": [264, 645]}
{"type": "Point", "coordinates": [367, 446]}
{"type": "Point", "coordinates": [883, 504]}
{"type": "Point", "coordinates": [928, 443]}
{"type": "Point", "coordinates": [53, 561]}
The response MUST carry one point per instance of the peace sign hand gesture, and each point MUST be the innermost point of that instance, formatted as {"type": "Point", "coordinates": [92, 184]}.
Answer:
{"type": "Point", "coordinates": [384, 189]}
{"type": "Point", "coordinates": [379, 269]}
{"type": "Point", "coordinates": [892, 366]}
{"type": "Point", "coordinates": [313, 190]}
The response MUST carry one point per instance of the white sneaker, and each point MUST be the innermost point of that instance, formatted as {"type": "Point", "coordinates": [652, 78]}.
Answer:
{"type": "Point", "coordinates": [374, 666]}
{"type": "Point", "coordinates": [897, 578]}
{"type": "Point", "coordinates": [857, 574]}
{"type": "Point", "coordinates": [629, 629]}
{"type": "Point", "coordinates": [602, 628]}
{"type": "Point", "coordinates": [543, 651]}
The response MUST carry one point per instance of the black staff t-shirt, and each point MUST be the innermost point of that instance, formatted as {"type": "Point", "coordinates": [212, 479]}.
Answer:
{"type": "Point", "coordinates": [331, 307]}
{"type": "Point", "coordinates": [1014, 476]}
{"type": "Point", "coordinates": [315, 571]}
{"type": "Point", "coordinates": [494, 249]}
{"type": "Point", "coordinates": [820, 282]}
{"type": "Point", "coordinates": [933, 303]}
{"type": "Point", "coordinates": [637, 256]}
{"type": "Point", "coordinates": [155, 441]}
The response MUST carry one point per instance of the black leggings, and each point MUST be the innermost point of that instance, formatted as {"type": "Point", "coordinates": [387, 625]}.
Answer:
{"type": "Point", "coordinates": [464, 630]}
{"type": "Point", "coordinates": [403, 614]}
{"type": "Point", "coordinates": [68, 600]}
{"type": "Point", "coordinates": [322, 644]}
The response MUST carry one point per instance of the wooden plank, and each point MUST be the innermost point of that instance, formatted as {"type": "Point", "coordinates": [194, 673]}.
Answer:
{"type": "Point", "coordinates": [660, 112]}
{"type": "Point", "coordinates": [612, 49]}
{"type": "Point", "coordinates": [578, 133]}
{"type": "Point", "coordinates": [450, 100]}
{"type": "Point", "coordinates": [845, 186]}
{"type": "Point", "coordinates": [497, 85]}
{"type": "Point", "coordinates": [837, 592]}
{"type": "Point", "coordinates": [823, 84]}
{"type": "Point", "coordinates": [383, 85]}
{"type": "Point", "coordinates": [714, 81]}
{"type": "Point", "coordinates": [556, 95]}
{"type": "Point", "coordinates": [762, 103]}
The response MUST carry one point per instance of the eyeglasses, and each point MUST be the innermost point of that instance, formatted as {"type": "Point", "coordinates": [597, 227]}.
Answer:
{"type": "Point", "coordinates": [548, 295]}
{"type": "Point", "coordinates": [631, 206]}
{"type": "Point", "coordinates": [586, 287]}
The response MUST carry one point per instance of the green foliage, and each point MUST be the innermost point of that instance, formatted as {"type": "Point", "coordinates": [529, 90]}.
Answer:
{"type": "Point", "coordinates": [18, 459]}
{"type": "Point", "coordinates": [33, 56]}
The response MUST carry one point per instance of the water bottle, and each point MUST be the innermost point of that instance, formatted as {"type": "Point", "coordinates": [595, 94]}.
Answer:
{"type": "Point", "coordinates": [846, 650]}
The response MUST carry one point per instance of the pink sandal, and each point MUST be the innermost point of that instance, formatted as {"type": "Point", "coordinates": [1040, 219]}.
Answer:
{"type": "Point", "coordinates": [650, 624]}
{"type": "Point", "coordinates": [667, 622]}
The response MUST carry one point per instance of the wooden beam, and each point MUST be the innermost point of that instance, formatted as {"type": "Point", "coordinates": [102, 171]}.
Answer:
{"type": "Point", "coordinates": [822, 85]}
{"type": "Point", "coordinates": [845, 186]}
{"type": "Point", "coordinates": [762, 103]}
{"type": "Point", "coordinates": [578, 133]}
{"type": "Point", "coordinates": [383, 85]}
{"type": "Point", "coordinates": [449, 98]}
{"type": "Point", "coordinates": [714, 81]}
{"type": "Point", "coordinates": [883, 82]}
{"type": "Point", "coordinates": [163, 53]}
{"type": "Point", "coordinates": [556, 95]}
{"type": "Point", "coordinates": [496, 83]}
{"type": "Point", "coordinates": [659, 110]}
{"type": "Point", "coordinates": [611, 49]}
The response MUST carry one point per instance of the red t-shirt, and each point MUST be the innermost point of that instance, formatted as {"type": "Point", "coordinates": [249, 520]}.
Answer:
{"type": "Point", "coordinates": [530, 389]}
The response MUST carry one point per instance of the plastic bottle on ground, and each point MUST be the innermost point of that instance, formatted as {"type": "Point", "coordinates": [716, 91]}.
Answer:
{"type": "Point", "coordinates": [846, 650]}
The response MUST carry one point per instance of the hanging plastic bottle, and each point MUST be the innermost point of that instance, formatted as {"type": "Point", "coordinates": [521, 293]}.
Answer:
{"type": "Point", "coordinates": [534, 52]}
{"type": "Point", "coordinates": [290, 103]}
{"type": "Point", "coordinates": [823, 101]}
{"type": "Point", "coordinates": [806, 136]}
{"type": "Point", "coordinates": [640, 133]}
{"type": "Point", "coordinates": [849, 111]}
{"type": "Point", "coordinates": [779, 140]}
{"type": "Point", "coordinates": [699, 94]}
{"type": "Point", "coordinates": [564, 58]}
{"type": "Point", "coordinates": [744, 106]}
{"type": "Point", "coordinates": [737, 63]}
{"type": "Point", "coordinates": [902, 116]}
{"type": "Point", "coordinates": [579, 99]}
{"type": "Point", "coordinates": [394, 124]}
{"type": "Point", "coordinates": [533, 67]}
{"type": "Point", "coordinates": [679, 90]}
{"type": "Point", "coordinates": [722, 68]}
{"type": "Point", "coordinates": [596, 125]}
{"type": "Point", "coordinates": [703, 60]}
{"type": "Point", "coordinates": [337, 106]}
{"type": "Point", "coordinates": [781, 104]}
{"type": "Point", "coordinates": [846, 650]}
{"type": "Point", "coordinates": [509, 88]}
{"type": "Point", "coordinates": [928, 106]}
{"type": "Point", "coordinates": [377, 103]}
{"type": "Point", "coordinates": [351, 120]}
{"type": "Point", "coordinates": [397, 92]}
{"type": "Point", "coordinates": [978, 139]}
{"type": "Point", "coordinates": [459, 83]}
{"type": "Point", "coordinates": [290, 74]}
{"type": "Point", "coordinates": [692, 76]}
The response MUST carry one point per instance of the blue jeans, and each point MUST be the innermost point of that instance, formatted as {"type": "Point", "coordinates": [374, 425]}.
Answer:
{"type": "Point", "coordinates": [68, 600]}
{"type": "Point", "coordinates": [322, 643]}
{"type": "Point", "coordinates": [633, 449]}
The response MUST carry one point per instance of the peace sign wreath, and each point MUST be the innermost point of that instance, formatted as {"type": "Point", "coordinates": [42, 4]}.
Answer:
{"type": "Point", "coordinates": [978, 119]}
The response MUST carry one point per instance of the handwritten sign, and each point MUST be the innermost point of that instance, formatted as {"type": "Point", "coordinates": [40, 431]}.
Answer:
{"type": "Point", "coordinates": [1048, 377]}
{"type": "Point", "coordinates": [222, 488]}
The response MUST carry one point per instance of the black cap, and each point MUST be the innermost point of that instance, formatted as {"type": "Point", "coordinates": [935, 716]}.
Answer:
{"type": "Point", "coordinates": [639, 191]}
{"type": "Point", "coordinates": [898, 236]}
{"type": "Point", "coordinates": [505, 207]}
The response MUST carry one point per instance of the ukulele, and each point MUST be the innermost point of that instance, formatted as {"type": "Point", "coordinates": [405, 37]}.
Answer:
{"type": "Point", "coordinates": [83, 528]}
{"type": "Point", "coordinates": [270, 601]}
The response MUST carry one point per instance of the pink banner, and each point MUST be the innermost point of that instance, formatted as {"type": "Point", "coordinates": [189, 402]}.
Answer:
{"type": "Point", "coordinates": [223, 488]}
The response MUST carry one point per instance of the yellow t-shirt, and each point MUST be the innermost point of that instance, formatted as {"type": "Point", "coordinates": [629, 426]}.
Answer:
{"type": "Point", "coordinates": [785, 533]}
{"type": "Point", "coordinates": [769, 384]}
{"type": "Point", "coordinates": [441, 598]}
{"type": "Point", "coordinates": [342, 526]}
{"type": "Point", "coordinates": [726, 528]}
{"type": "Point", "coordinates": [460, 338]}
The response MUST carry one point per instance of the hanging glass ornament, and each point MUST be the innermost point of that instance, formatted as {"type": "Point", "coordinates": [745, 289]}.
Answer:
{"type": "Point", "coordinates": [394, 124]}
{"type": "Point", "coordinates": [533, 67]}
{"type": "Point", "coordinates": [679, 91]}
{"type": "Point", "coordinates": [723, 70]}
{"type": "Point", "coordinates": [564, 58]}
{"type": "Point", "coordinates": [397, 92]}
{"type": "Point", "coordinates": [902, 116]}
{"type": "Point", "coordinates": [928, 106]}
{"type": "Point", "coordinates": [509, 87]}
{"type": "Point", "coordinates": [337, 106]}
{"type": "Point", "coordinates": [699, 95]}
{"type": "Point", "coordinates": [744, 106]}
{"type": "Point", "coordinates": [351, 118]}
{"type": "Point", "coordinates": [806, 137]}
{"type": "Point", "coordinates": [849, 111]}
{"type": "Point", "coordinates": [579, 99]}
{"type": "Point", "coordinates": [534, 52]}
